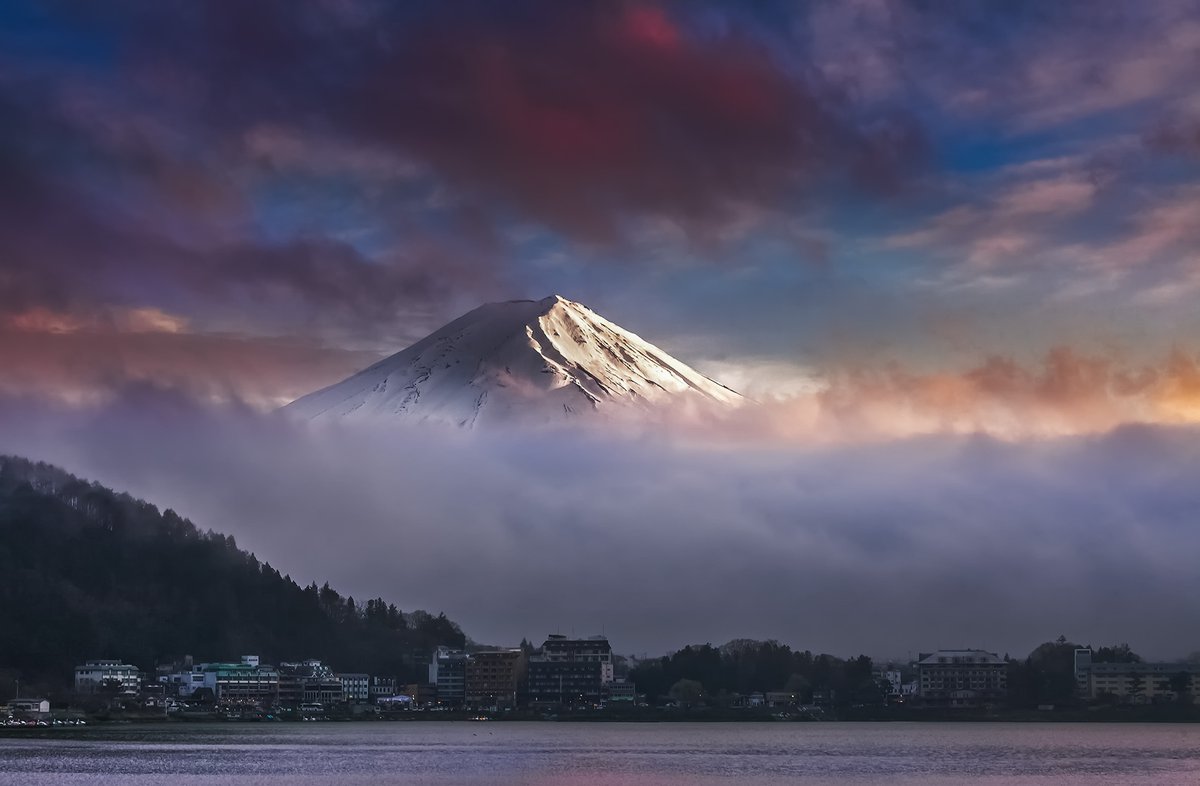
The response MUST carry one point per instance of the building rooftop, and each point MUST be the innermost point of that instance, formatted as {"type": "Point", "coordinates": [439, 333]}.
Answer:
{"type": "Point", "coordinates": [958, 656]}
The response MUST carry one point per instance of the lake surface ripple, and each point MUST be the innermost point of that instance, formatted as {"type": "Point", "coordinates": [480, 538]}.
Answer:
{"type": "Point", "coordinates": [607, 754]}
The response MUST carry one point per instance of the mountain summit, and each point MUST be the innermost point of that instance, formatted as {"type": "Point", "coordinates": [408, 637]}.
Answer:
{"type": "Point", "coordinates": [543, 360]}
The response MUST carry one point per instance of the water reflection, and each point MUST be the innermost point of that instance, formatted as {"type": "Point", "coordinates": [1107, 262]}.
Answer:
{"type": "Point", "coordinates": [607, 754]}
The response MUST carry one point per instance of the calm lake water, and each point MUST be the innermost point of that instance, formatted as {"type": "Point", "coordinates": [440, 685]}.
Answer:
{"type": "Point", "coordinates": [608, 754]}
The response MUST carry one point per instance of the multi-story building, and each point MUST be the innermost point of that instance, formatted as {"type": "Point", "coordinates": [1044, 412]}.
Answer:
{"type": "Point", "coordinates": [308, 682]}
{"type": "Point", "coordinates": [961, 678]}
{"type": "Point", "coordinates": [448, 671]}
{"type": "Point", "coordinates": [621, 691]}
{"type": "Point", "coordinates": [495, 678]}
{"type": "Point", "coordinates": [1142, 683]}
{"type": "Point", "coordinates": [180, 678]}
{"type": "Point", "coordinates": [890, 677]}
{"type": "Point", "coordinates": [245, 682]}
{"type": "Point", "coordinates": [564, 683]}
{"type": "Point", "coordinates": [592, 649]}
{"type": "Point", "coordinates": [356, 688]}
{"type": "Point", "coordinates": [382, 688]}
{"type": "Point", "coordinates": [97, 674]}
{"type": "Point", "coordinates": [570, 671]}
{"type": "Point", "coordinates": [1083, 671]}
{"type": "Point", "coordinates": [181, 683]}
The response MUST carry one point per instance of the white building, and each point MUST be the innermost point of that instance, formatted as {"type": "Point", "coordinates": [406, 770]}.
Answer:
{"type": "Point", "coordinates": [93, 675]}
{"type": "Point", "coordinates": [30, 706]}
{"type": "Point", "coordinates": [181, 683]}
{"type": "Point", "coordinates": [382, 688]}
{"type": "Point", "coordinates": [356, 688]}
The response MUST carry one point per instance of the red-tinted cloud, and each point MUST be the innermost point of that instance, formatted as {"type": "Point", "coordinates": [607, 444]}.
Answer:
{"type": "Point", "coordinates": [600, 111]}
{"type": "Point", "coordinates": [573, 114]}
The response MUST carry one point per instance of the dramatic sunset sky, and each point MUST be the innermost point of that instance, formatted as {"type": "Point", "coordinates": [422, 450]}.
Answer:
{"type": "Point", "coordinates": [952, 249]}
{"type": "Point", "coordinates": [947, 215]}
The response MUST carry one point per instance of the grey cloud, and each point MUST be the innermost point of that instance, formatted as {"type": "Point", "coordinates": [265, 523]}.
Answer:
{"type": "Point", "coordinates": [877, 548]}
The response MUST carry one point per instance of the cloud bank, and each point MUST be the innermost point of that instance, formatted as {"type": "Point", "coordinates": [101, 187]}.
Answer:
{"type": "Point", "coordinates": [883, 547]}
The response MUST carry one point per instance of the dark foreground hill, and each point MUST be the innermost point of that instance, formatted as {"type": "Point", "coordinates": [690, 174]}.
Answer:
{"type": "Point", "coordinates": [86, 572]}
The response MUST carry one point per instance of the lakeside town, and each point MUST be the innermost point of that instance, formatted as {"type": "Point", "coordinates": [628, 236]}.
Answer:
{"type": "Point", "coordinates": [581, 677]}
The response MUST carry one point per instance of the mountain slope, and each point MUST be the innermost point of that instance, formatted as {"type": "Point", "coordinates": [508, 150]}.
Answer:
{"type": "Point", "coordinates": [89, 573]}
{"type": "Point", "coordinates": [547, 360]}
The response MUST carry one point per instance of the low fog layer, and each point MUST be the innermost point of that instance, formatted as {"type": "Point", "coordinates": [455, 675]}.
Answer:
{"type": "Point", "coordinates": [659, 542]}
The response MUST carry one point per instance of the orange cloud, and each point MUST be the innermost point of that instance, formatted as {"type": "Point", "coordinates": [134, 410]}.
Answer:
{"type": "Point", "coordinates": [1067, 392]}
{"type": "Point", "coordinates": [1178, 395]}
{"type": "Point", "coordinates": [123, 320]}
{"type": "Point", "coordinates": [43, 320]}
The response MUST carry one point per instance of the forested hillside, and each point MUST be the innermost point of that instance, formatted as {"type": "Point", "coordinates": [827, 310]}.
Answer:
{"type": "Point", "coordinates": [86, 572]}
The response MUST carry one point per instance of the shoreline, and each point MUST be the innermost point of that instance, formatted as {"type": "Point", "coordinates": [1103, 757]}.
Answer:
{"type": "Point", "coordinates": [1184, 714]}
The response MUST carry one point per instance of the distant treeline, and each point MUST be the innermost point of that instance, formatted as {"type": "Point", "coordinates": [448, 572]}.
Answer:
{"type": "Point", "coordinates": [712, 676]}
{"type": "Point", "coordinates": [709, 674]}
{"type": "Point", "coordinates": [89, 573]}
{"type": "Point", "coordinates": [1047, 676]}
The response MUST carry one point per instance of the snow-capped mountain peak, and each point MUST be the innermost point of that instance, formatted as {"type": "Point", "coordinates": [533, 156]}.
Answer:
{"type": "Point", "coordinates": [543, 360]}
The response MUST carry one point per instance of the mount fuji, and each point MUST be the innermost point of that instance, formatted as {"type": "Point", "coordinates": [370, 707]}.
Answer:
{"type": "Point", "coordinates": [548, 361]}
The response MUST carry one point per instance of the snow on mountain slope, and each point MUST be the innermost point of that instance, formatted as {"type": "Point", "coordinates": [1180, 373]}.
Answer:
{"type": "Point", "coordinates": [546, 360]}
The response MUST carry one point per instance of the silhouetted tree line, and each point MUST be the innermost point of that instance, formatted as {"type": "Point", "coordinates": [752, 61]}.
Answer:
{"type": "Point", "coordinates": [86, 573]}
{"type": "Point", "coordinates": [1047, 676]}
{"type": "Point", "coordinates": [708, 674]}
{"type": "Point", "coordinates": [745, 666]}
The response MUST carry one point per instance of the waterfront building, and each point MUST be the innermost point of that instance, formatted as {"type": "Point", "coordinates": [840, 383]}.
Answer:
{"type": "Point", "coordinates": [621, 691]}
{"type": "Point", "coordinates": [564, 683]}
{"type": "Point", "coordinates": [1083, 671]}
{"type": "Point", "coordinates": [591, 649]}
{"type": "Point", "coordinates": [1143, 683]}
{"type": "Point", "coordinates": [181, 683]}
{"type": "Point", "coordinates": [245, 682]}
{"type": "Point", "coordinates": [381, 688]}
{"type": "Point", "coordinates": [448, 671]}
{"type": "Point", "coordinates": [93, 675]}
{"type": "Point", "coordinates": [892, 678]}
{"type": "Point", "coordinates": [29, 706]}
{"type": "Point", "coordinates": [494, 678]}
{"type": "Point", "coordinates": [308, 682]}
{"type": "Point", "coordinates": [356, 688]}
{"type": "Point", "coordinates": [961, 678]}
